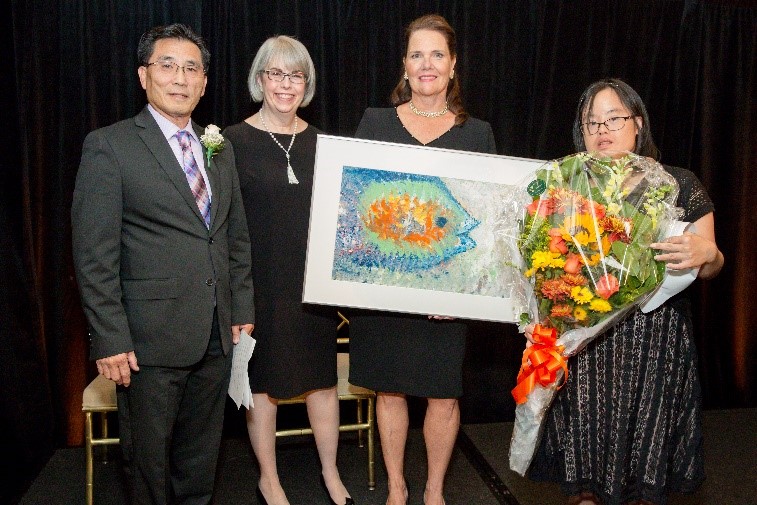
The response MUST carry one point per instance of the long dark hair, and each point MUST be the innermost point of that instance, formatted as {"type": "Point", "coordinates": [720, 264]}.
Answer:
{"type": "Point", "coordinates": [645, 146]}
{"type": "Point", "coordinates": [402, 92]}
{"type": "Point", "coordinates": [175, 31]}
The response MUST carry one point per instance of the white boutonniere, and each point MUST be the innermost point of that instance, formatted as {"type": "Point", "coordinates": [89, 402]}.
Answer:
{"type": "Point", "coordinates": [213, 141]}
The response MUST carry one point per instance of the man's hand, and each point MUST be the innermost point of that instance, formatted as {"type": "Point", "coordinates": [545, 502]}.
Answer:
{"type": "Point", "coordinates": [118, 368]}
{"type": "Point", "coordinates": [236, 330]}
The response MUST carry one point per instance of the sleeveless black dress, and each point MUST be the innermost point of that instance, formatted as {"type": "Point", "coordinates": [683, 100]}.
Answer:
{"type": "Point", "coordinates": [296, 343]}
{"type": "Point", "coordinates": [410, 354]}
{"type": "Point", "coordinates": [626, 425]}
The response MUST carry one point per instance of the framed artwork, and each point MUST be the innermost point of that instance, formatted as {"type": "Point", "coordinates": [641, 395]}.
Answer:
{"type": "Point", "coordinates": [411, 229]}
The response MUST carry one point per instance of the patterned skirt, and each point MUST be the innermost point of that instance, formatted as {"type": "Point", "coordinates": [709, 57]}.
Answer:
{"type": "Point", "coordinates": [627, 425]}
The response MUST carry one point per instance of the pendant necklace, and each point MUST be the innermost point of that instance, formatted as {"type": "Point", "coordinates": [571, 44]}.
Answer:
{"type": "Point", "coordinates": [290, 173]}
{"type": "Point", "coordinates": [423, 113]}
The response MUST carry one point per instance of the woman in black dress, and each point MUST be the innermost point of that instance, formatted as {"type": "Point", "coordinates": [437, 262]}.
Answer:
{"type": "Point", "coordinates": [625, 428]}
{"type": "Point", "coordinates": [398, 355]}
{"type": "Point", "coordinates": [296, 344]}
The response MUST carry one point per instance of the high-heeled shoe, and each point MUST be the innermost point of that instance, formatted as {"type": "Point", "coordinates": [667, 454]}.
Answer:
{"type": "Point", "coordinates": [347, 499]}
{"type": "Point", "coordinates": [260, 496]}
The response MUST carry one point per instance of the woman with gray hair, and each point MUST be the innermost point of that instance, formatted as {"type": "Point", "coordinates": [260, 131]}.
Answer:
{"type": "Point", "coordinates": [295, 352]}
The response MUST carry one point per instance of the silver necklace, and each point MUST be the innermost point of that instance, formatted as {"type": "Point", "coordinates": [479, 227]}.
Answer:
{"type": "Point", "coordinates": [423, 113]}
{"type": "Point", "coordinates": [290, 173]}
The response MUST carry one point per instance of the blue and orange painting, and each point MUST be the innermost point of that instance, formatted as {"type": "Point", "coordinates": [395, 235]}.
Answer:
{"type": "Point", "coordinates": [410, 230]}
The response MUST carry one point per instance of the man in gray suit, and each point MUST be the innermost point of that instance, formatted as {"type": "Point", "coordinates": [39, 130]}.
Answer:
{"type": "Point", "coordinates": [162, 257]}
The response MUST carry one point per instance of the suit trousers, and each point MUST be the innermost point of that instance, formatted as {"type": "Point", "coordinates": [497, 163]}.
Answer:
{"type": "Point", "coordinates": [170, 422]}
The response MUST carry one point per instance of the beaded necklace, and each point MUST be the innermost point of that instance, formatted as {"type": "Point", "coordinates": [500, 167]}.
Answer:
{"type": "Point", "coordinates": [423, 113]}
{"type": "Point", "coordinates": [290, 173]}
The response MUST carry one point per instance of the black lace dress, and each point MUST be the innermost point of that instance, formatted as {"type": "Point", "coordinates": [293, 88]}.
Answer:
{"type": "Point", "coordinates": [626, 426]}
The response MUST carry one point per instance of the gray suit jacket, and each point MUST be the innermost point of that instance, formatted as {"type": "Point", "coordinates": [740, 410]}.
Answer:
{"type": "Point", "coordinates": [149, 272]}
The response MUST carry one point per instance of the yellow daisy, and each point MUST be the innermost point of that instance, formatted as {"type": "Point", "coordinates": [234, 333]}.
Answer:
{"type": "Point", "coordinates": [581, 294]}
{"type": "Point", "coordinates": [582, 238]}
{"type": "Point", "coordinates": [594, 259]}
{"type": "Point", "coordinates": [545, 259]}
{"type": "Point", "coordinates": [600, 305]}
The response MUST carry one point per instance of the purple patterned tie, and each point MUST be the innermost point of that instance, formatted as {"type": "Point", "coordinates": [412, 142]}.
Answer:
{"type": "Point", "coordinates": [194, 177]}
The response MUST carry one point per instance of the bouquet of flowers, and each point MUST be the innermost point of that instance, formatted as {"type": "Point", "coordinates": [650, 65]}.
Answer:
{"type": "Point", "coordinates": [581, 238]}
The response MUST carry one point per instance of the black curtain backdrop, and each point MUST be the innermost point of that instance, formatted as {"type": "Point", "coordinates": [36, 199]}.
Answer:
{"type": "Point", "coordinates": [71, 68]}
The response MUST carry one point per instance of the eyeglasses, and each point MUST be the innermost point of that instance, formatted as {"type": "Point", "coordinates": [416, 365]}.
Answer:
{"type": "Point", "coordinates": [612, 124]}
{"type": "Point", "coordinates": [278, 76]}
{"type": "Point", "coordinates": [168, 67]}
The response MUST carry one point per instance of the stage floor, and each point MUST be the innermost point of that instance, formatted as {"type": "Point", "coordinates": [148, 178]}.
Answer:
{"type": "Point", "coordinates": [478, 474]}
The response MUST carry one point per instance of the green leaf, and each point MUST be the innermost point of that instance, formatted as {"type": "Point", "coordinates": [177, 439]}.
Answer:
{"type": "Point", "coordinates": [646, 264]}
{"type": "Point", "coordinates": [629, 210]}
{"type": "Point", "coordinates": [596, 195]}
{"type": "Point", "coordinates": [545, 175]}
{"type": "Point", "coordinates": [643, 231]}
{"type": "Point", "coordinates": [570, 166]}
{"type": "Point", "coordinates": [618, 250]}
{"type": "Point", "coordinates": [628, 256]}
{"type": "Point", "coordinates": [545, 306]}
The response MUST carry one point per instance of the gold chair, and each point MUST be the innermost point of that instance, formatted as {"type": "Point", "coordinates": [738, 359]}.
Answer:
{"type": "Point", "coordinates": [99, 397]}
{"type": "Point", "coordinates": [366, 407]}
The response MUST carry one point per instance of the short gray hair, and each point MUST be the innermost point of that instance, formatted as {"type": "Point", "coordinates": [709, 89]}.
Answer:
{"type": "Point", "coordinates": [290, 53]}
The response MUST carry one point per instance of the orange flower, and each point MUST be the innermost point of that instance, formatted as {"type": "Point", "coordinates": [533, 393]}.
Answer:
{"type": "Point", "coordinates": [561, 310]}
{"type": "Point", "coordinates": [573, 264]}
{"type": "Point", "coordinates": [555, 289]}
{"type": "Point", "coordinates": [556, 242]}
{"type": "Point", "coordinates": [543, 207]}
{"type": "Point", "coordinates": [618, 227]}
{"type": "Point", "coordinates": [599, 210]}
{"type": "Point", "coordinates": [607, 286]}
{"type": "Point", "coordinates": [574, 279]}
{"type": "Point", "coordinates": [568, 201]}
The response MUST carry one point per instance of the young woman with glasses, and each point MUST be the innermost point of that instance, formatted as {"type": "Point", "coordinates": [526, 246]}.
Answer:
{"type": "Point", "coordinates": [626, 428]}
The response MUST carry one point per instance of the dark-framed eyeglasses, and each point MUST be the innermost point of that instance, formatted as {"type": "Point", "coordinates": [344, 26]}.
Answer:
{"type": "Point", "coordinates": [612, 124]}
{"type": "Point", "coordinates": [169, 67]}
{"type": "Point", "coordinates": [278, 76]}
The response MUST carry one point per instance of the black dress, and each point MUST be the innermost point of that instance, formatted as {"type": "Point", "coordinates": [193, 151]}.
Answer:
{"type": "Point", "coordinates": [410, 354]}
{"type": "Point", "coordinates": [296, 343]}
{"type": "Point", "coordinates": [626, 426]}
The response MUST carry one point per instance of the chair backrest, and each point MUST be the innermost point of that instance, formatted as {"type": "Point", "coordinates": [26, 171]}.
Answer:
{"type": "Point", "coordinates": [341, 336]}
{"type": "Point", "coordinates": [99, 395]}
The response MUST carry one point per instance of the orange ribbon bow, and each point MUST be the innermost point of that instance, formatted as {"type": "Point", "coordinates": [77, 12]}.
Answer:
{"type": "Point", "coordinates": [540, 363]}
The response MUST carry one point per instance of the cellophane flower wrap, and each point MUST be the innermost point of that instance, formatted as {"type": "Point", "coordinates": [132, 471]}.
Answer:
{"type": "Point", "coordinates": [580, 237]}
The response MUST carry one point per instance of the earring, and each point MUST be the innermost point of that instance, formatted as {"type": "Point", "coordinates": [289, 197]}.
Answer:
{"type": "Point", "coordinates": [405, 76]}
{"type": "Point", "coordinates": [452, 74]}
